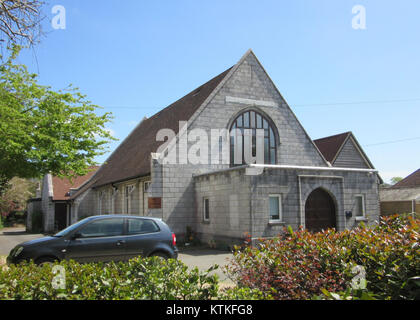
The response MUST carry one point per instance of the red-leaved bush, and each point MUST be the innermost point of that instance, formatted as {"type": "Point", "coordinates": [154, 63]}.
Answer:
{"type": "Point", "coordinates": [299, 265]}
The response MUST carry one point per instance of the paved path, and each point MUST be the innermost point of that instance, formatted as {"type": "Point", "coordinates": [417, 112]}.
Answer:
{"type": "Point", "coordinates": [205, 258]}
{"type": "Point", "coordinates": [10, 237]}
{"type": "Point", "coordinates": [201, 258]}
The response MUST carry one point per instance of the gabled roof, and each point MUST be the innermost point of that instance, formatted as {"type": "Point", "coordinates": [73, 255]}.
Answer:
{"type": "Point", "coordinates": [62, 186]}
{"type": "Point", "coordinates": [132, 158]}
{"type": "Point", "coordinates": [411, 181]}
{"type": "Point", "coordinates": [330, 146]}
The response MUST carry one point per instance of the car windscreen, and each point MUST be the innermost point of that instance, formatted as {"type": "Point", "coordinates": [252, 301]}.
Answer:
{"type": "Point", "coordinates": [69, 229]}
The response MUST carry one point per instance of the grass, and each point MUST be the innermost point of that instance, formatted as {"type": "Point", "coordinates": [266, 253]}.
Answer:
{"type": "Point", "coordinates": [2, 260]}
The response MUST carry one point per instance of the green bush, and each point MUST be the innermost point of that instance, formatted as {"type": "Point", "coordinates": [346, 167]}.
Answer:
{"type": "Point", "coordinates": [150, 278]}
{"type": "Point", "coordinates": [14, 218]}
{"type": "Point", "coordinates": [1, 222]}
{"type": "Point", "coordinates": [301, 265]}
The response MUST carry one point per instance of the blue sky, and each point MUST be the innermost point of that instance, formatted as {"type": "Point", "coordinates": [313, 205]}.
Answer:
{"type": "Point", "coordinates": [136, 57]}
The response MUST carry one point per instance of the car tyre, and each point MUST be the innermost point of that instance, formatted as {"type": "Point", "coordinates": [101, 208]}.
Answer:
{"type": "Point", "coordinates": [161, 255]}
{"type": "Point", "coordinates": [45, 261]}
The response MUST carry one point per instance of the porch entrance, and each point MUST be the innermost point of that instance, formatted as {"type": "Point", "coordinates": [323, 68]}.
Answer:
{"type": "Point", "coordinates": [320, 211]}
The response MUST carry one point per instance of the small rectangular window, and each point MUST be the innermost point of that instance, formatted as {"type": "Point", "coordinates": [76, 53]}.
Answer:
{"type": "Point", "coordinates": [360, 206]}
{"type": "Point", "coordinates": [146, 186]}
{"type": "Point", "coordinates": [206, 207]}
{"type": "Point", "coordinates": [275, 208]}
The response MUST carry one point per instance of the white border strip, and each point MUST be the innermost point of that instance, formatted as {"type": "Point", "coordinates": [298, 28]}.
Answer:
{"type": "Point", "coordinates": [251, 102]}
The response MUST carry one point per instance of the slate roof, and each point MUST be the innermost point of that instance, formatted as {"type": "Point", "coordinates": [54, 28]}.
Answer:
{"type": "Point", "coordinates": [330, 146]}
{"type": "Point", "coordinates": [413, 180]}
{"type": "Point", "coordinates": [62, 186]}
{"type": "Point", "coordinates": [132, 158]}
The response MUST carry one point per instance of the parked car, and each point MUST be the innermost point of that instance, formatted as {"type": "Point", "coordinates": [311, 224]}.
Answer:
{"type": "Point", "coordinates": [101, 238]}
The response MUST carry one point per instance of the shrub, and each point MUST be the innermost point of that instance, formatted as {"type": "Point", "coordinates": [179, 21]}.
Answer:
{"type": "Point", "coordinates": [349, 294]}
{"type": "Point", "coordinates": [14, 218]}
{"type": "Point", "coordinates": [149, 278]}
{"type": "Point", "coordinates": [300, 265]}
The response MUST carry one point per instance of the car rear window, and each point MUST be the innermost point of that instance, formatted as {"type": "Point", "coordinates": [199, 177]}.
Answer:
{"type": "Point", "coordinates": [138, 226]}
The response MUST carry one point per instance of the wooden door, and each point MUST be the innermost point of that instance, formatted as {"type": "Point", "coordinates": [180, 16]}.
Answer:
{"type": "Point", "coordinates": [319, 211]}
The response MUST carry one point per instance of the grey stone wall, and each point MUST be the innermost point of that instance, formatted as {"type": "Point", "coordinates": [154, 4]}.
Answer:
{"type": "Point", "coordinates": [249, 81]}
{"type": "Point", "coordinates": [229, 196]}
{"type": "Point", "coordinates": [239, 204]}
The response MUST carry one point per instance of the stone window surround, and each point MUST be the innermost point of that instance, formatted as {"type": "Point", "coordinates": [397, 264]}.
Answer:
{"type": "Point", "coordinates": [362, 217]}
{"type": "Point", "coordinates": [206, 220]}
{"type": "Point", "coordinates": [280, 219]}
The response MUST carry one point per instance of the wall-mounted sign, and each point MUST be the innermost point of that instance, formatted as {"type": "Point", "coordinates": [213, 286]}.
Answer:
{"type": "Point", "coordinates": [155, 203]}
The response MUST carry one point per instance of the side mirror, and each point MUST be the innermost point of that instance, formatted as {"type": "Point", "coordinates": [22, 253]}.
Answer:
{"type": "Point", "coordinates": [76, 235]}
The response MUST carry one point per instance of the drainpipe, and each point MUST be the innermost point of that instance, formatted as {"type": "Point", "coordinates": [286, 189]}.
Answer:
{"type": "Point", "coordinates": [251, 209]}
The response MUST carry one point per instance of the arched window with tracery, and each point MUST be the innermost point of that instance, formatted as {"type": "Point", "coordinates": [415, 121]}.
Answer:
{"type": "Point", "coordinates": [252, 120]}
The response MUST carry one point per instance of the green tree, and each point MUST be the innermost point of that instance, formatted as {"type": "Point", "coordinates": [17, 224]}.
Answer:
{"type": "Point", "coordinates": [19, 191]}
{"type": "Point", "coordinates": [395, 180]}
{"type": "Point", "coordinates": [20, 21]}
{"type": "Point", "coordinates": [45, 131]}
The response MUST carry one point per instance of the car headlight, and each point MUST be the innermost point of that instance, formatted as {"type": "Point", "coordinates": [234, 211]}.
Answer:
{"type": "Point", "coordinates": [18, 251]}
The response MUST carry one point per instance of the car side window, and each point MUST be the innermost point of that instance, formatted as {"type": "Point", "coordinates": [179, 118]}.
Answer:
{"type": "Point", "coordinates": [103, 228]}
{"type": "Point", "coordinates": [138, 226]}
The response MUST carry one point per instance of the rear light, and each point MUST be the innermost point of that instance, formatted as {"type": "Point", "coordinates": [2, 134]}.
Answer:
{"type": "Point", "coordinates": [173, 239]}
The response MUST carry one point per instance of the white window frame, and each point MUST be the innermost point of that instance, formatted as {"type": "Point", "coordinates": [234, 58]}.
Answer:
{"type": "Point", "coordinates": [362, 217]}
{"type": "Point", "coordinates": [279, 197]}
{"type": "Point", "coordinates": [204, 209]}
{"type": "Point", "coordinates": [146, 183]}
{"type": "Point", "coordinates": [128, 190]}
{"type": "Point", "coordinates": [100, 198]}
{"type": "Point", "coordinates": [114, 193]}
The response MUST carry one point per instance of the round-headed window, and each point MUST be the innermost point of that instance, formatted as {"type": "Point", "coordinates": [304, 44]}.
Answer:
{"type": "Point", "coordinates": [249, 122]}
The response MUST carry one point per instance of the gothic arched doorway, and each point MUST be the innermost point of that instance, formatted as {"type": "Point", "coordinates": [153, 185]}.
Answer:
{"type": "Point", "coordinates": [320, 211]}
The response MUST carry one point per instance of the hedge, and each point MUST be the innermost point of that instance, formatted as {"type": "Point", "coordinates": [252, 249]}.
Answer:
{"type": "Point", "coordinates": [149, 278]}
{"type": "Point", "coordinates": [303, 265]}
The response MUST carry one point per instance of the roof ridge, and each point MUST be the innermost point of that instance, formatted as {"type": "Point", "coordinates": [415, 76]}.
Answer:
{"type": "Point", "coordinates": [335, 135]}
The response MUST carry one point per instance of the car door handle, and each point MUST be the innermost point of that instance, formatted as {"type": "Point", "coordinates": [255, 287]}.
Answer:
{"type": "Point", "coordinates": [120, 242]}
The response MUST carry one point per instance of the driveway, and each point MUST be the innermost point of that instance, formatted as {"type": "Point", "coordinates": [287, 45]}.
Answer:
{"type": "Point", "coordinates": [200, 257]}
{"type": "Point", "coordinates": [10, 237]}
{"type": "Point", "coordinates": [205, 258]}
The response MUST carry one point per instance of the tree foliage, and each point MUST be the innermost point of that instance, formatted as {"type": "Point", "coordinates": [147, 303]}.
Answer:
{"type": "Point", "coordinates": [20, 21]}
{"type": "Point", "coordinates": [16, 195]}
{"type": "Point", "coordinates": [46, 131]}
{"type": "Point", "coordinates": [395, 180]}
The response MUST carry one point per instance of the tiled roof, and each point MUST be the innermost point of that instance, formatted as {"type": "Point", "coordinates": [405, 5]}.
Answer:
{"type": "Point", "coordinates": [62, 186]}
{"type": "Point", "coordinates": [413, 180]}
{"type": "Point", "coordinates": [330, 146]}
{"type": "Point", "coordinates": [132, 158]}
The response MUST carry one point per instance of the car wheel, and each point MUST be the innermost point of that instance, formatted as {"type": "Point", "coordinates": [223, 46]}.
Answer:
{"type": "Point", "coordinates": [45, 261]}
{"type": "Point", "coordinates": [161, 255]}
